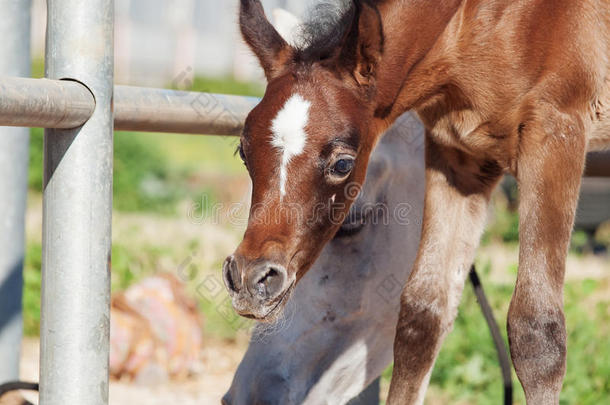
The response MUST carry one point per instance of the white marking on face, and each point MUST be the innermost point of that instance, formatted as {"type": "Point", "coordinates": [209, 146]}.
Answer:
{"type": "Point", "coordinates": [289, 135]}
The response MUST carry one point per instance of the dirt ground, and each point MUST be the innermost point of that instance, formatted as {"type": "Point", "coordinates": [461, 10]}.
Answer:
{"type": "Point", "coordinates": [220, 360]}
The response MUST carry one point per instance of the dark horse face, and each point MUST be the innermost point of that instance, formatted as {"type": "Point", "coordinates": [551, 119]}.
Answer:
{"type": "Point", "coordinates": [306, 147]}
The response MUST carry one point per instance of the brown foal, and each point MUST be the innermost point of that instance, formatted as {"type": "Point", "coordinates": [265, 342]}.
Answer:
{"type": "Point", "coordinates": [502, 86]}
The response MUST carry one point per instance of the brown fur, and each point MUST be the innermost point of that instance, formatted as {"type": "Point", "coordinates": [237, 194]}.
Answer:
{"type": "Point", "coordinates": [501, 86]}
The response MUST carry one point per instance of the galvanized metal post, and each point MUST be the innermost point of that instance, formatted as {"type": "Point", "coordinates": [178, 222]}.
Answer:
{"type": "Point", "coordinates": [14, 61]}
{"type": "Point", "coordinates": [77, 211]}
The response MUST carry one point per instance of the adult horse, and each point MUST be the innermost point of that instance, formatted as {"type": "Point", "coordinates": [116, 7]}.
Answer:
{"type": "Point", "coordinates": [337, 334]}
{"type": "Point", "coordinates": [500, 85]}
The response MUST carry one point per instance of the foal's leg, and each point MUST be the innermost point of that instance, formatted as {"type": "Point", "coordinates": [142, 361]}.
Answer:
{"type": "Point", "coordinates": [457, 195]}
{"type": "Point", "coordinates": [549, 172]}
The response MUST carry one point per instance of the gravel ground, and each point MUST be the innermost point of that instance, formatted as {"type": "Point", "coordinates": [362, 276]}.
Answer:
{"type": "Point", "coordinates": [220, 360]}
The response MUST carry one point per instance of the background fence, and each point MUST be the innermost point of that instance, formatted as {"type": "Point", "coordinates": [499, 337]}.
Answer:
{"type": "Point", "coordinates": [158, 40]}
{"type": "Point", "coordinates": [76, 104]}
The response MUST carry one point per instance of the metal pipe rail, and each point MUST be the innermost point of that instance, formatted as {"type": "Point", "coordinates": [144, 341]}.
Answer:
{"type": "Point", "coordinates": [44, 103]}
{"type": "Point", "coordinates": [66, 104]}
{"type": "Point", "coordinates": [161, 110]}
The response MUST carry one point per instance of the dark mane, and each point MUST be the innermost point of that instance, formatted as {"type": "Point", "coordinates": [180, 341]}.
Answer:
{"type": "Point", "coordinates": [326, 26]}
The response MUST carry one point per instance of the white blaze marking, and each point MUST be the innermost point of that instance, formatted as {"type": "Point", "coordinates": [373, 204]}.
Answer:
{"type": "Point", "coordinates": [289, 135]}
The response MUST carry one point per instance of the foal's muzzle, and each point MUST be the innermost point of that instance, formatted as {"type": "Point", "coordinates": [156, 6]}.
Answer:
{"type": "Point", "coordinates": [256, 288]}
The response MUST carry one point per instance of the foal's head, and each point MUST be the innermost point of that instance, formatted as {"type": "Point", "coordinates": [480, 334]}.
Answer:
{"type": "Point", "coordinates": [306, 147]}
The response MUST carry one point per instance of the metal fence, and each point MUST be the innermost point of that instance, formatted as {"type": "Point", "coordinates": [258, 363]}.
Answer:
{"type": "Point", "coordinates": [14, 61]}
{"type": "Point", "coordinates": [80, 107]}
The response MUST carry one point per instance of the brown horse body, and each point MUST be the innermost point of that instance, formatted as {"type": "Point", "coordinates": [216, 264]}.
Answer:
{"type": "Point", "coordinates": [500, 85]}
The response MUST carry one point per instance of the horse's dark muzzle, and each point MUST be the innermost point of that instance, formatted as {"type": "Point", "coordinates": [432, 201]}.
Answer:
{"type": "Point", "coordinates": [254, 287]}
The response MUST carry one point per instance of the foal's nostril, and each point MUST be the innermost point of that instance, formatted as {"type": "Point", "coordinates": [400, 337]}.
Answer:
{"type": "Point", "coordinates": [230, 275]}
{"type": "Point", "coordinates": [268, 281]}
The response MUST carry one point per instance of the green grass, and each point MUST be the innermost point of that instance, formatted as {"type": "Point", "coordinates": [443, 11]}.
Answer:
{"type": "Point", "coordinates": [32, 278]}
{"type": "Point", "coordinates": [37, 71]}
{"type": "Point", "coordinates": [36, 152]}
{"type": "Point", "coordinates": [209, 155]}
{"type": "Point", "coordinates": [504, 227]}
{"type": "Point", "coordinates": [145, 178]}
{"type": "Point", "coordinates": [226, 85]}
{"type": "Point", "coordinates": [467, 369]}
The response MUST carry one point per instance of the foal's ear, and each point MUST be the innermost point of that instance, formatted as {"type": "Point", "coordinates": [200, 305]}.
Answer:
{"type": "Point", "coordinates": [363, 43]}
{"type": "Point", "coordinates": [272, 50]}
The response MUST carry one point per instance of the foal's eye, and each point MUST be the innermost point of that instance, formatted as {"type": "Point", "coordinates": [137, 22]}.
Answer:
{"type": "Point", "coordinates": [341, 167]}
{"type": "Point", "coordinates": [240, 151]}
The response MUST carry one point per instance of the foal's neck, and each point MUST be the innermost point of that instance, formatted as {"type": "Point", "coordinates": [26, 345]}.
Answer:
{"type": "Point", "coordinates": [412, 30]}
